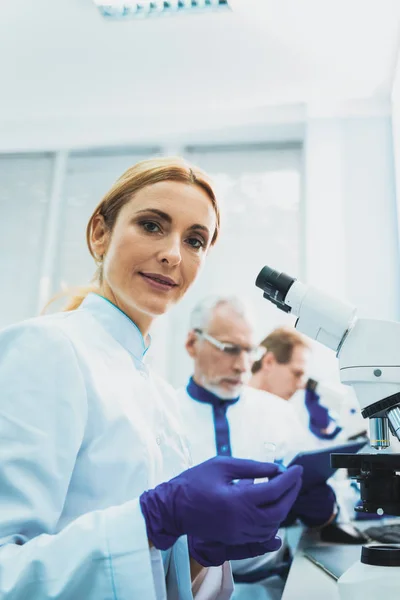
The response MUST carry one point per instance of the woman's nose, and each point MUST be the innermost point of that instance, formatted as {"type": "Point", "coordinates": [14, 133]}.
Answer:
{"type": "Point", "coordinates": [171, 251]}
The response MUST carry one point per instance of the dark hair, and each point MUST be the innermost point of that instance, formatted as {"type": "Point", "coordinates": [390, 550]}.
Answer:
{"type": "Point", "coordinates": [281, 342]}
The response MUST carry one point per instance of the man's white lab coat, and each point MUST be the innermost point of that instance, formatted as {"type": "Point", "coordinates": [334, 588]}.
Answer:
{"type": "Point", "coordinates": [257, 417]}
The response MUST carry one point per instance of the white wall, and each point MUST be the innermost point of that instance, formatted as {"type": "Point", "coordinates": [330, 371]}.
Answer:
{"type": "Point", "coordinates": [372, 261]}
{"type": "Point", "coordinates": [350, 212]}
{"type": "Point", "coordinates": [165, 127]}
{"type": "Point", "coordinates": [395, 111]}
{"type": "Point", "coordinates": [350, 216]}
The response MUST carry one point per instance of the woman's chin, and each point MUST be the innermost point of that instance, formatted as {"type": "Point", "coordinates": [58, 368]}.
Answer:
{"type": "Point", "coordinates": [156, 309]}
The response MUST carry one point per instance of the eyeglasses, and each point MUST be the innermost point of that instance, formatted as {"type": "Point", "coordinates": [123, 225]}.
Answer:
{"type": "Point", "coordinates": [254, 353]}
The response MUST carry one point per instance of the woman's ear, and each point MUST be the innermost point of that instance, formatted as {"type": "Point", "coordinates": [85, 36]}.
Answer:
{"type": "Point", "coordinates": [99, 237]}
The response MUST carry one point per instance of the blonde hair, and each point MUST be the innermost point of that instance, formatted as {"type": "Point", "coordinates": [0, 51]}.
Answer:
{"type": "Point", "coordinates": [137, 177]}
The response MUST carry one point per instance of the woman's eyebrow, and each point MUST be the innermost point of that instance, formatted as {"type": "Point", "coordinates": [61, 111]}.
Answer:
{"type": "Point", "coordinates": [168, 219]}
{"type": "Point", "coordinates": [197, 226]}
{"type": "Point", "coordinates": [157, 212]}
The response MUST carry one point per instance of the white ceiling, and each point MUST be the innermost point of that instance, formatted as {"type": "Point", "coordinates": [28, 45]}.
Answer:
{"type": "Point", "coordinates": [60, 61]}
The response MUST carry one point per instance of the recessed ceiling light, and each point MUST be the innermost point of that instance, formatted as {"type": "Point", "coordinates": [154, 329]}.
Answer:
{"type": "Point", "coordinates": [130, 9]}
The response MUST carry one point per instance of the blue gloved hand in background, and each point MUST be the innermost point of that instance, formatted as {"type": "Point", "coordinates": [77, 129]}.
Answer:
{"type": "Point", "coordinates": [319, 415]}
{"type": "Point", "coordinates": [205, 502]}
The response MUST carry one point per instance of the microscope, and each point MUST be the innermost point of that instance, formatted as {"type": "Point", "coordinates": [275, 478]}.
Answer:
{"type": "Point", "coordinates": [368, 351]}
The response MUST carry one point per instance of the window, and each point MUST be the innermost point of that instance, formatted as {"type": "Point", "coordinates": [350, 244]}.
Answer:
{"type": "Point", "coordinates": [88, 178]}
{"type": "Point", "coordinates": [24, 198]}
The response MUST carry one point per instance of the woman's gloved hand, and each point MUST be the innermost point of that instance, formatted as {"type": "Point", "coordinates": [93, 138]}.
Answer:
{"type": "Point", "coordinates": [214, 554]}
{"type": "Point", "coordinates": [205, 502]}
{"type": "Point", "coordinates": [316, 506]}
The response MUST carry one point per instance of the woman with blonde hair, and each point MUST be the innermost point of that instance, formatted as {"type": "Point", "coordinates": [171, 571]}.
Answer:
{"type": "Point", "coordinates": [96, 493]}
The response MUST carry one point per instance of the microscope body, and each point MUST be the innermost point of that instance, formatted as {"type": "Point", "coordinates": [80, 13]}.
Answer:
{"type": "Point", "coordinates": [368, 351]}
{"type": "Point", "coordinates": [369, 361]}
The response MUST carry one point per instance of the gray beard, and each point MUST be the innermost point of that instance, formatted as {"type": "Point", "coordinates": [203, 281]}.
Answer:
{"type": "Point", "coordinates": [221, 392]}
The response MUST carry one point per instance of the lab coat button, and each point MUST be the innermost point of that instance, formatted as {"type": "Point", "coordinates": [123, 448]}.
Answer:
{"type": "Point", "coordinates": [158, 440]}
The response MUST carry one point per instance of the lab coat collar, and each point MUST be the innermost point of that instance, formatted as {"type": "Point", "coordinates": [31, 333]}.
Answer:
{"type": "Point", "coordinates": [200, 394]}
{"type": "Point", "coordinates": [117, 323]}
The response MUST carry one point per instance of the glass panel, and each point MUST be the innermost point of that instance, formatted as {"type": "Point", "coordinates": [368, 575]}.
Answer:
{"type": "Point", "coordinates": [24, 197]}
{"type": "Point", "coordinates": [89, 176]}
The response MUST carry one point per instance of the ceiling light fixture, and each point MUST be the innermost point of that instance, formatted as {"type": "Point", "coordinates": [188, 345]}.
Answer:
{"type": "Point", "coordinates": [130, 9]}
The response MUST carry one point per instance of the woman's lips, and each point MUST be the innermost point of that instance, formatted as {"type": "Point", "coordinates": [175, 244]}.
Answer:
{"type": "Point", "coordinates": [156, 283]}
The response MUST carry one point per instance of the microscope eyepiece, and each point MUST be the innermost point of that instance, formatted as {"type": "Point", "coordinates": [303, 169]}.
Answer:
{"type": "Point", "coordinates": [275, 286]}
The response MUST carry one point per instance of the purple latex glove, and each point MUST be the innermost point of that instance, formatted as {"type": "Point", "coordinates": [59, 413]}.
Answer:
{"type": "Point", "coordinates": [214, 554]}
{"type": "Point", "coordinates": [316, 506]}
{"type": "Point", "coordinates": [205, 502]}
{"type": "Point", "coordinates": [319, 415]}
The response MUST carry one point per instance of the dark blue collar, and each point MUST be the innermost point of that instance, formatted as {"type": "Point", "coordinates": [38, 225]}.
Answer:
{"type": "Point", "coordinates": [200, 394]}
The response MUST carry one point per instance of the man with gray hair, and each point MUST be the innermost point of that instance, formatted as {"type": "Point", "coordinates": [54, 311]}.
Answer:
{"type": "Point", "coordinates": [221, 343]}
{"type": "Point", "coordinates": [225, 417]}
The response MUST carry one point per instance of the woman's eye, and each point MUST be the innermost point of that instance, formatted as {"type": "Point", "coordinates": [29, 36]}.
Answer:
{"type": "Point", "coordinates": [196, 243]}
{"type": "Point", "coordinates": [150, 226]}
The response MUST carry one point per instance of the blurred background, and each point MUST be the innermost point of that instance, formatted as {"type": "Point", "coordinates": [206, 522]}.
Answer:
{"type": "Point", "coordinates": [293, 107]}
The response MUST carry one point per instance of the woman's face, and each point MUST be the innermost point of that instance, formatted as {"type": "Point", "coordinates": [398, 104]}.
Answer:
{"type": "Point", "coordinates": [156, 249]}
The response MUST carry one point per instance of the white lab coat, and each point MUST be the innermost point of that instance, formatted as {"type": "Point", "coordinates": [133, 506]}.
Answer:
{"type": "Point", "coordinates": [84, 430]}
{"type": "Point", "coordinates": [258, 417]}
